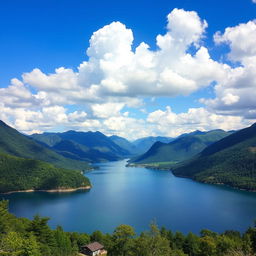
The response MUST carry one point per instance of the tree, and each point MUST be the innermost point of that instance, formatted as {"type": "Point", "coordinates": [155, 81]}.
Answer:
{"type": "Point", "coordinates": [4, 217]}
{"type": "Point", "coordinates": [44, 235]}
{"type": "Point", "coordinates": [63, 243]}
{"type": "Point", "coordinates": [207, 246]}
{"type": "Point", "coordinates": [152, 243]}
{"type": "Point", "coordinates": [123, 242]}
{"type": "Point", "coordinates": [30, 247]}
{"type": "Point", "coordinates": [79, 239]}
{"type": "Point", "coordinates": [191, 245]}
{"type": "Point", "coordinates": [12, 244]}
{"type": "Point", "coordinates": [178, 240]}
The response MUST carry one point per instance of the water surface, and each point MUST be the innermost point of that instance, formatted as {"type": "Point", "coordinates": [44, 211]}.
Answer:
{"type": "Point", "coordinates": [137, 196]}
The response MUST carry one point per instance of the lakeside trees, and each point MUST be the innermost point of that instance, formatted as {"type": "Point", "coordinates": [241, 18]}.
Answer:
{"type": "Point", "coordinates": [23, 237]}
{"type": "Point", "coordinates": [21, 174]}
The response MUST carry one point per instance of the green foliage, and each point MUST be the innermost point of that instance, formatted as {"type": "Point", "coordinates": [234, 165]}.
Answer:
{"type": "Point", "coordinates": [63, 243]}
{"type": "Point", "coordinates": [22, 174]}
{"type": "Point", "coordinates": [180, 149]}
{"type": "Point", "coordinates": [230, 161]}
{"type": "Point", "coordinates": [14, 143]}
{"type": "Point", "coordinates": [21, 237]}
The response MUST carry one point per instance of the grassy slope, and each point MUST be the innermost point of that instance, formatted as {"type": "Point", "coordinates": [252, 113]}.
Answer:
{"type": "Point", "coordinates": [230, 161]}
{"type": "Point", "coordinates": [21, 174]}
{"type": "Point", "coordinates": [14, 143]}
{"type": "Point", "coordinates": [179, 149]}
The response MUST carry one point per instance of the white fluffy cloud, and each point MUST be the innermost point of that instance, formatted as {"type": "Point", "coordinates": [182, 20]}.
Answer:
{"type": "Point", "coordinates": [236, 91]}
{"type": "Point", "coordinates": [114, 69]}
{"type": "Point", "coordinates": [115, 76]}
{"type": "Point", "coordinates": [107, 110]}
{"type": "Point", "coordinates": [241, 40]}
{"type": "Point", "coordinates": [173, 124]}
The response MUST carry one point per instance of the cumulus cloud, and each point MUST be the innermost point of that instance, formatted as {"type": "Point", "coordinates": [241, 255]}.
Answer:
{"type": "Point", "coordinates": [114, 69]}
{"type": "Point", "coordinates": [236, 91]}
{"type": "Point", "coordinates": [241, 40]}
{"type": "Point", "coordinates": [115, 75]}
{"type": "Point", "coordinates": [173, 124]}
{"type": "Point", "coordinates": [107, 110]}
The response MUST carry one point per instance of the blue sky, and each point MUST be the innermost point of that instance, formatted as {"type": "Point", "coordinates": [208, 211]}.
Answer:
{"type": "Point", "coordinates": [164, 89]}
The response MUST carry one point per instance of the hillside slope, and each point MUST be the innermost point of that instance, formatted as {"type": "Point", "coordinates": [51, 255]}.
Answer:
{"type": "Point", "coordinates": [14, 143]}
{"type": "Point", "coordinates": [144, 144]}
{"type": "Point", "coordinates": [180, 149]}
{"type": "Point", "coordinates": [230, 161]}
{"type": "Point", "coordinates": [91, 146]}
{"type": "Point", "coordinates": [22, 174]}
{"type": "Point", "coordinates": [125, 144]}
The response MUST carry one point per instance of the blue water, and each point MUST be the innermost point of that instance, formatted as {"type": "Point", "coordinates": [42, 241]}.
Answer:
{"type": "Point", "coordinates": [138, 196]}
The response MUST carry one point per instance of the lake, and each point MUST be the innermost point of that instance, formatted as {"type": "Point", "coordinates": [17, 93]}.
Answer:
{"type": "Point", "coordinates": [138, 196]}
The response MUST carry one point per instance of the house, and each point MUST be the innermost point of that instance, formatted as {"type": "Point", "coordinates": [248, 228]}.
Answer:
{"type": "Point", "coordinates": [93, 249]}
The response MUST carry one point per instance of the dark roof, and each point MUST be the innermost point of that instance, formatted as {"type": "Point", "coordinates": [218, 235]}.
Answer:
{"type": "Point", "coordinates": [95, 246]}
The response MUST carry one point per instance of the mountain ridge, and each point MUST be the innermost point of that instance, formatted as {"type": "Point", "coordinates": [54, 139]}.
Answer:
{"type": "Point", "coordinates": [184, 147]}
{"type": "Point", "coordinates": [15, 143]}
{"type": "Point", "coordinates": [230, 161]}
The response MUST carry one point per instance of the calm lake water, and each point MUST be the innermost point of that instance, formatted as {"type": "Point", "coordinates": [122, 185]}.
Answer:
{"type": "Point", "coordinates": [137, 196]}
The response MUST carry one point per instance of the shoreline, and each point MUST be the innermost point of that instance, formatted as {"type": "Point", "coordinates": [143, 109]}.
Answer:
{"type": "Point", "coordinates": [147, 166]}
{"type": "Point", "coordinates": [216, 184]}
{"type": "Point", "coordinates": [56, 190]}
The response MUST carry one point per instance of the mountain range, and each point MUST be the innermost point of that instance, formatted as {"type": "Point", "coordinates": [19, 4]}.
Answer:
{"type": "Point", "coordinates": [184, 147]}
{"type": "Point", "coordinates": [86, 146]}
{"type": "Point", "coordinates": [14, 143]}
{"type": "Point", "coordinates": [95, 146]}
{"type": "Point", "coordinates": [215, 156]}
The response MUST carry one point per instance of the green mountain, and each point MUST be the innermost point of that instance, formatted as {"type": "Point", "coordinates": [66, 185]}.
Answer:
{"type": "Point", "coordinates": [80, 152]}
{"type": "Point", "coordinates": [14, 143]}
{"type": "Point", "coordinates": [230, 161]}
{"type": "Point", "coordinates": [89, 146]}
{"type": "Point", "coordinates": [144, 144]}
{"type": "Point", "coordinates": [47, 138]}
{"type": "Point", "coordinates": [125, 144]}
{"type": "Point", "coordinates": [22, 174]}
{"type": "Point", "coordinates": [182, 148]}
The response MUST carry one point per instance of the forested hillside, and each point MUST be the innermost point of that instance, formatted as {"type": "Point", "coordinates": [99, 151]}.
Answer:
{"type": "Point", "coordinates": [182, 148]}
{"type": "Point", "coordinates": [25, 174]}
{"type": "Point", "coordinates": [230, 161]}
{"type": "Point", "coordinates": [14, 143]}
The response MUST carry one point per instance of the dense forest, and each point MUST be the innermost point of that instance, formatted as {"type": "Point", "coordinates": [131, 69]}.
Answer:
{"type": "Point", "coordinates": [16, 144]}
{"type": "Point", "coordinates": [180, 149]}
{"type": "Point", "coordinates": [230, 161]}
{"type": "Point", "coordinates": [23, 237]}
{"type": "Point", "coordinates": [21, 174]}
